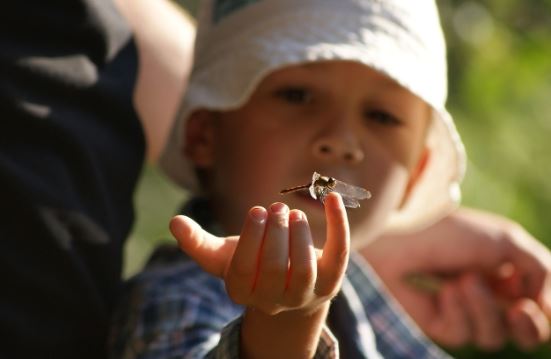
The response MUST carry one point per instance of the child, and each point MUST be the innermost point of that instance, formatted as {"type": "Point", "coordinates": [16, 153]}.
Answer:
{"type": "Point", "coordinates": [280, 89]}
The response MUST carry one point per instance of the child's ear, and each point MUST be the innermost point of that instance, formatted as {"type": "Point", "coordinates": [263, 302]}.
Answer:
{"type": "Point", "coordinates": [199, 138]}
{"type": "Point", "coordinates": [416, 173]}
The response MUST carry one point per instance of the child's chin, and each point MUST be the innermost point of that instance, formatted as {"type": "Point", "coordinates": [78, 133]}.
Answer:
{"type": "Point", "coordinates": [361, 238]}
{"type": "Point", "coordinates": [359, 242]}
{"type": "Point", "coordinates": [304, 200]}
{"type": "Point", "coordinates": [318, 233]}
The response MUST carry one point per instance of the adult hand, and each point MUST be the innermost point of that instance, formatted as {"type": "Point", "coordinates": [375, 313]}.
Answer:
{"type": "Point", "coordinates": [490, 280]}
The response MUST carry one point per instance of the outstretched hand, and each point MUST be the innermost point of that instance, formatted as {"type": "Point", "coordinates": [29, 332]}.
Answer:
{"type": "Point", "coordinates": [274, 270]}
{"type": "Point", "coordinates": [273, 265]}
{"type": "Point", "coordinates": [494, 280]}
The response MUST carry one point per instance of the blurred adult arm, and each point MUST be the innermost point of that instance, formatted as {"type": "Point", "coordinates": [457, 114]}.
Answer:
{"type": "Point", "coordinates": [71, 151]}
{"type": "Point", "coordinates": [491, 280]}
{"type": "Point", "coordinates": [164, 35]}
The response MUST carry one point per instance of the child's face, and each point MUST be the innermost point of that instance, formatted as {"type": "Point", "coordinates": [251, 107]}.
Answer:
{"type": "Point", "coordinates": [338, 118]}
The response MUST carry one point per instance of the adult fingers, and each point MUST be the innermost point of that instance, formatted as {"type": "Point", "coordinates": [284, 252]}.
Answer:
{"type": "Point", "coordinates": [485, 314]}
{"type": "Point", "coordinates": [531, 279]}
{"type": "Point", "coordinates": [336, 250]}
{"type": "Point", "coordinates": [532, 261]}
{"type": "Point", "coordinates": [529, 326]}
{"type": "Point", "coordinates": [241, 274]}
{"type": "Point", "coordinates": [450, 325]}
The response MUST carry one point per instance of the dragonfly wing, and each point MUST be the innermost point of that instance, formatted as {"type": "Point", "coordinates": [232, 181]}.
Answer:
{"type": "Point", "coordinates": [348, 190]}
{"type": "Point", "coordinates": [350, 202]}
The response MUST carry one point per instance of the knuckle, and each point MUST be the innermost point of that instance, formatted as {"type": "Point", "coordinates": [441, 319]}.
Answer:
{"type": "Point", "coordinates": [297, 299]}
{"type": "Point", "coordinates": [266, 297]}
{"type": "Point", "coordinates": [273, 269]}
{"type": "Point", "coordinates": [511, 233]}
{"type": "Point", "coordinates": [305, 275]}
{"type": "Point", "coordinates": [269, 309]}
{"type": "Point", "coordinates": [293, 302]}
{"type": "Point", "coordinates": [326, 291]}
{"type": "Point", "coordinates": [341, 259]}
{"type": "Point", "coordinates": [278, 221]}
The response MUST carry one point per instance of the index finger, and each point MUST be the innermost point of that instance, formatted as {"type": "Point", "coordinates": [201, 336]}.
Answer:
{"type": "Point", "coordinates": [336, 250]}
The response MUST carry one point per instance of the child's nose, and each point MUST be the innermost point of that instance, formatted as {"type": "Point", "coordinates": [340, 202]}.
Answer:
{"type": "Point", "coordinates": [337, 147]}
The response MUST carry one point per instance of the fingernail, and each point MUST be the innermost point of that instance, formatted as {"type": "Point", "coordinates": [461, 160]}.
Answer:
{"type": "Point", "coordinates": [279, 208]}
{"type": "Point", "coordinates": [297, 216]}
{"type": "Point", "coordinates": [258, 214]}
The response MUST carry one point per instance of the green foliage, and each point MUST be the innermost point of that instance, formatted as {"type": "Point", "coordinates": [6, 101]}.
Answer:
{"type": "Point", "coordinates": [499, 90]}
{"type": "Point", "coordinates": [156, 201]}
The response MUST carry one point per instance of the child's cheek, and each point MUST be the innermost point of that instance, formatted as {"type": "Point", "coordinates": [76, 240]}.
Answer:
{"type": "Point", "coordinates": [387, 183]}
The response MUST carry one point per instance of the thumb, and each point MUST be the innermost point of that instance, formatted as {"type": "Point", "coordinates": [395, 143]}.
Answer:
{"type": "Point", "coordinates": [212, 253]}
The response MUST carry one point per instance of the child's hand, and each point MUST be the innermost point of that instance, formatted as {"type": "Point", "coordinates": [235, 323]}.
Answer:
{"type": "Point", "coordinates": [273, 264]}
{"type": "Point", "coordinates": [274, 270]}
{"type": "Point", "coordinates": [472, 304]}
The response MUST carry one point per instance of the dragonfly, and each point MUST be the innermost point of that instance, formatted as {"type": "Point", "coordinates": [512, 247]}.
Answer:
{"type": "Point", "coordinates": [321, 186]}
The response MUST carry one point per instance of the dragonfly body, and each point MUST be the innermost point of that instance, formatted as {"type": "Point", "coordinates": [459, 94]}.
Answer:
{"type": "Point", "coordinates": [321, 186]}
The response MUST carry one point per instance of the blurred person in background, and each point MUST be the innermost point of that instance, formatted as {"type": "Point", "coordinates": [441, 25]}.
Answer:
{"type": "Point", "coordinates": [71, 150]}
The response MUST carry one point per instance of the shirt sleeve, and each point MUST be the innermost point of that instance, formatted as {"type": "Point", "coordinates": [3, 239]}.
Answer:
{"type": "Point", "coordinates": [178, 311]}
{"type": "Point", "coordinates": [173, 310]}
{"type": "Point", "coordinates": [396, 334]}
{"type": "Point", "coordinates": [328, 346]}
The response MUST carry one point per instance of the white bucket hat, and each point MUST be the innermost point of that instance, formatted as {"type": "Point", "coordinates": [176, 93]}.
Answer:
{"type": "Point", "coordinates": [239, 42]}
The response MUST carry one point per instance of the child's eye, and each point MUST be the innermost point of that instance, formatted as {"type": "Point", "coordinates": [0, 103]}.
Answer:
{"type": "Point", "coordinates": [294, 95]}
{"type": "Point", "coordinates": [382, 117]}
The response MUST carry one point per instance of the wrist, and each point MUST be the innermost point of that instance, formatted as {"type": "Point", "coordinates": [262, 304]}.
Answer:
{"type": "Point", "coordinates": [288, 334]}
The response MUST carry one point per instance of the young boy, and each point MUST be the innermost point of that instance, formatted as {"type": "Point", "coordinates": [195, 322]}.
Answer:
{"type": "Point", "coordinates": [280, 89]}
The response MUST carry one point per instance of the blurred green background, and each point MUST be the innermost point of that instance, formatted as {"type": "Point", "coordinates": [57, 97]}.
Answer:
{"type": "Point", "coordinates": [499, 54]}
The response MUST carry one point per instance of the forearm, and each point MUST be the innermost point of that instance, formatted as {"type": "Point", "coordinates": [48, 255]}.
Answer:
{"type": "Point", "coordinates": [164, 36]}
{"type": "Point", "coordinates": [289, 334]}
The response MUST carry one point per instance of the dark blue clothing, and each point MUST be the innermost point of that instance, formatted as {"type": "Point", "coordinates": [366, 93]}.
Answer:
{"type": "Point", "coordinates": [71, 149]}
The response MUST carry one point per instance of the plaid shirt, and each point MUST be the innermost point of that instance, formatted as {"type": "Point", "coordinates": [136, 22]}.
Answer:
{"type": "Point", "coordinates": [173, 309]}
